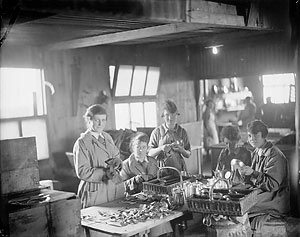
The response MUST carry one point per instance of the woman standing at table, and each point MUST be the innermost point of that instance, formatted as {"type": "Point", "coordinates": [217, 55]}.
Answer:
{"type": "Point", "coordinates": [211, 136]}
{"type": "Point", "coordinates": [169, 142]}
{"type": "Point", "coordinates": [268, 172]}
{"type": "Point", "coordinates": [140, 167]}
{"type": "Point", "coordinates": [97, 161]}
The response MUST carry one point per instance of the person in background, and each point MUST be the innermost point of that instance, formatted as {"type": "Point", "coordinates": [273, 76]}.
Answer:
{"type": "Point", "coordinates": [139, 167]}
{"type": "Point", "coordinates": [249, 112]}
{"type": "Point", "coordinates": [269, 173]}
{"type": "Point", "coordinates": [268, 112]}
{"type": "Point", "coordinates": [211, 136]}
{"type": "Point", "coordinates": [97, 161]}
{"type": "Point", "coordinates": [169, 142]}
{"type": "Point", "coordinates": [231, 137]}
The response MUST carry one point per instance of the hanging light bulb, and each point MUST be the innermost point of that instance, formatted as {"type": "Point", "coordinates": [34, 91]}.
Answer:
{"type": "Point", "coordinates": [215, 50]}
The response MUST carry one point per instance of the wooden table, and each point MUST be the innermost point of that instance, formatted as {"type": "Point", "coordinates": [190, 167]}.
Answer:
{"type": "Point", "coordinates": [97, 227]}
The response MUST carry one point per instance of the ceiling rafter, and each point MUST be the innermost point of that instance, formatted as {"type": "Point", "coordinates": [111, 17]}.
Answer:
{"type": "Point", "coordinates": [137, 34]}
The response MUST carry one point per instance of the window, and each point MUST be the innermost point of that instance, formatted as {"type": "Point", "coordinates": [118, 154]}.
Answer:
{"type": "Point", "coordinates": [23, 107]}
{"type": "Point", "coordinates": [280, 87]}
{"type": "Point", "coordinates": [134, 89]}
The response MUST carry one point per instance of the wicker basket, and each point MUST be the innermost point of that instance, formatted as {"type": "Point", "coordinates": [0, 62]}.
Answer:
{"type": "Point", "coordinates": [237, 207]}
{"type": "Point", "coordinates": [160, 185]}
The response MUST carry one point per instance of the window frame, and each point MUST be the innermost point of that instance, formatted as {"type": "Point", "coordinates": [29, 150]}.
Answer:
{"type": "Point", "coordinates": [133, 99]}
{"type": "Point", "coordinates": [35, 116]}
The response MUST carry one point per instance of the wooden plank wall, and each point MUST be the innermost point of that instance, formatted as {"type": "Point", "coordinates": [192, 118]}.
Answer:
{"type": "Point", "coordinates": [65, 127]}
{"type": "Point", "coordinates": [243, 60]}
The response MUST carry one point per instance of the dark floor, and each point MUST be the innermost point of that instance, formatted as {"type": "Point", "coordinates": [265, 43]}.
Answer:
{"type": "Point", "coordinates": [194, 227]}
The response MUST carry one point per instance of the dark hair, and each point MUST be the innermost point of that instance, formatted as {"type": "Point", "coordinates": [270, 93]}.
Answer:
{"type": "Point", "coordinates": [138, 137]}
{"type": "Point", "coordinates": [247, 99]}
{"type": "Point", "coordinates": [93, 110]}
{"type": "Point", "coordinates": [170, 106]}
{"type": "Point", "coordinates": [257, 126]}
{"type": "Point", "coordinates": [232, 133]}
{"type": "Point", "coordinates": [208, 101]}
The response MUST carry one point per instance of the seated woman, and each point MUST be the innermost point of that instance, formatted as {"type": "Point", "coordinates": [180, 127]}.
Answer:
{"type": "Point", "coordinates": [268, 172]}
{"type": "Point", "coordinates": [231, 137]}
{"type": "Point", "coordinates": [139, 168]}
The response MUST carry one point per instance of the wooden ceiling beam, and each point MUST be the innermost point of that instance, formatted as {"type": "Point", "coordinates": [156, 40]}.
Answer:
{"type": "Point", "coordinates": [161, 30]}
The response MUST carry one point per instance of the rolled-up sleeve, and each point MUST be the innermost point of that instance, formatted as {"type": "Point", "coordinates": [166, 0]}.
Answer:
{"type": "Point", "coordinates": [83, 164]}
{"type": "Point", "coordinates": [187, 145]}
{"type": "Point", "coordinates": [153, 142]}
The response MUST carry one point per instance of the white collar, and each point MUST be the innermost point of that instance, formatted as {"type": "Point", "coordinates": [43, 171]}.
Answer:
{"type": "Point", "coordinates": [96, 135]}
{"type": "Point", "coordinates": [146, 159]}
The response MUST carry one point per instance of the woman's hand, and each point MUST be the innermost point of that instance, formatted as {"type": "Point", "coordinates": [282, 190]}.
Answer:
{"type": "Point", "coordinates": [166, 148]}
{"type": "Point", "coordinates": [110, 172]}
{"type": "Point", "coordinates": [115, 163]}
{"type": "Point", "coordinates": [246, 170]}
{"type": "Point", "coordinates": [176, 147]}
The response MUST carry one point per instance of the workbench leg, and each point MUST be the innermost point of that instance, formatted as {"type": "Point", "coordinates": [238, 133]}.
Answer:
{"type": "Point", "coordinates": [144, 234]}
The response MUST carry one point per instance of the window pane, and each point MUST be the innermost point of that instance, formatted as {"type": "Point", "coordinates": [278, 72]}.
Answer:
{"type": "Point", "coordinates": [111, 75]}
{"type": "Point", "coordinates": [279, 79]}
{"type": "Point", "coordinates": [122, 116]}
{"type": "Point", "coordinates": [138, 82]}
{"type": "Point", "coordinates": [9, 130]}
{"type": "Point", "coordinates": [137, 115]}
{"type": "Point", "coordinates": [37, 128]}
{"type": "Point", "coordinates": [279, 87]}
{"type": "Point", "coordinates": [21, 92]}
{"type": "Point", "coordinates": [152, 81]}
{"type": "Point", "coordinates": [150, 114]}
{"type": "Point", "coordinates": [124, 80]}
{"type": "Point", "coordinates": [278, 94]}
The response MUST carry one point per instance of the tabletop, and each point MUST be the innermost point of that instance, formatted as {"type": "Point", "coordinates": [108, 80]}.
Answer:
{"type": "Point", "coordinates": [93, 218]}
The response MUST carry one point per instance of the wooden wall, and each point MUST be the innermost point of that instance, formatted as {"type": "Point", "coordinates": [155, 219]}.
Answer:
{"type": "Point", "coordinates": [249, 59]}
{"type": "Point", "coordinates": [66, 123]}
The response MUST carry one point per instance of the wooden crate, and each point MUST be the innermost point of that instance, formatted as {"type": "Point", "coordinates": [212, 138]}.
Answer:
{"type": "Point", "coordinates": [200, 11]}
{"type": "Point", "coordinates": [18, 165]}
{"type": "Point", "coordinates": [60, 216]}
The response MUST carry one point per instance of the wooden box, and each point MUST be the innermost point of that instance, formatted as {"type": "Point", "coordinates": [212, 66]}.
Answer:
{"type": "Point", "coordinates": [18, 165]}
{"type": "Point", "coordinates": [59, 216]}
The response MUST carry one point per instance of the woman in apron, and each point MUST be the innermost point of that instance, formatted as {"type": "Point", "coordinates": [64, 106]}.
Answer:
{"type": "Point", "coordinates": [97, 161]}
